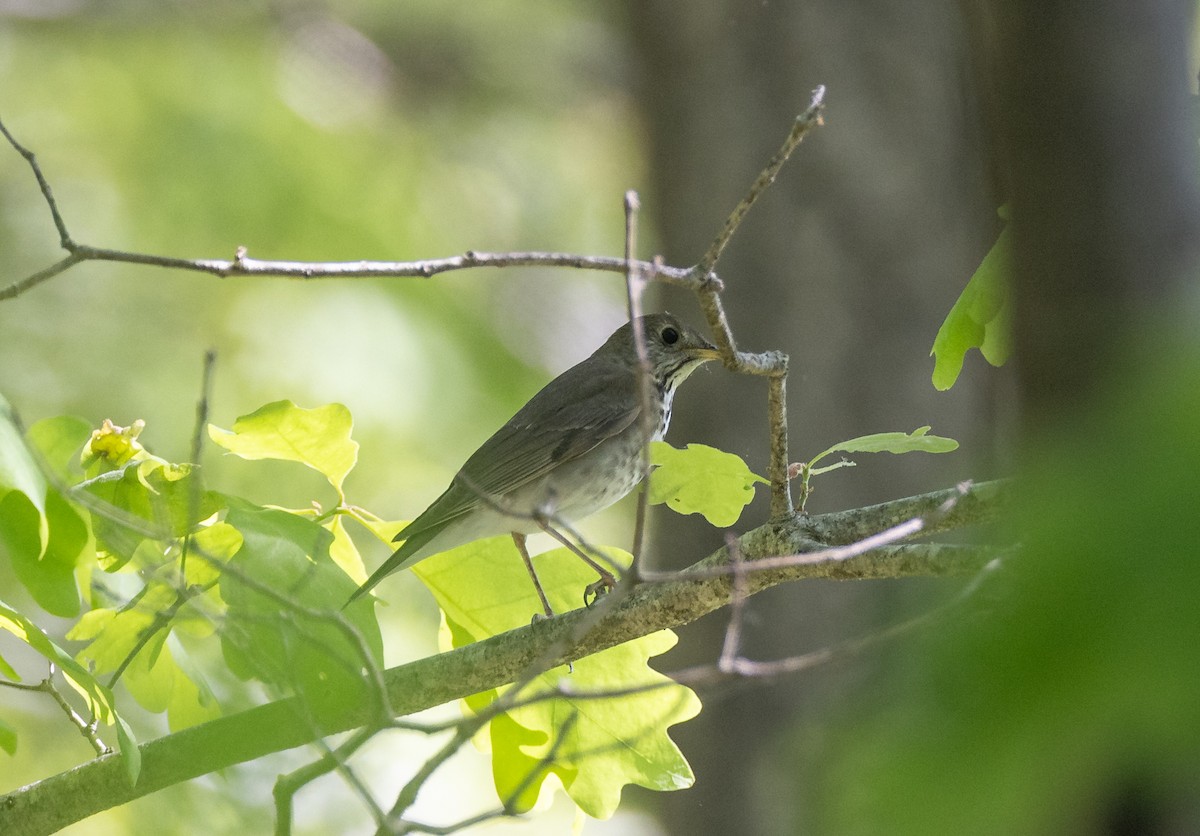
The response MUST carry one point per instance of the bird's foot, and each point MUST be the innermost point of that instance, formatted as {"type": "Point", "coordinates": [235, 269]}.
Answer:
{"type": "Point", "coordinates": [593, 591]}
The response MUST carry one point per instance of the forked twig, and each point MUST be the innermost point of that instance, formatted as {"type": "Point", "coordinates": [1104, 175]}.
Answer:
{"type": "Point", "coordinates": [87, 728]}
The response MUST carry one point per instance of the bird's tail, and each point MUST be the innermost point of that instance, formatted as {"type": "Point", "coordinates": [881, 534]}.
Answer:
{"type": "Point", "coordinates": [399, 560]}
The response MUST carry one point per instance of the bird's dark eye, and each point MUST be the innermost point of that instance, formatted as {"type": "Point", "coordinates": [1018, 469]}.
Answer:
{"type": "Point", "coordinates": [670, 336]}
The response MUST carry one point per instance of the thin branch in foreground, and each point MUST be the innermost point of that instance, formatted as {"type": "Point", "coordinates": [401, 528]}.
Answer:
{"type": "Point", "coordinates": [509, 804]}
{"type": "Point", "coordinates": [744, 668]}
{"type": "Point", "coordinates": [635, 282]}
{"type": "Point", "coordinates": [833, 554]}
{"type": "Point", "coordinates": [731, 647]}
{"type": "Point", "coordinates": [286, 786]}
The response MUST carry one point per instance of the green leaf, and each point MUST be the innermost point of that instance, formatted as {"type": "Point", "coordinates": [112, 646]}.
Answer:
{"type": "Point", "coordinates": [210, 547]}
{"type": "Point", "coordinates": [318, 438]}
{"type": "Point", "coordinates": [599, 745]}
{"type": "Point", "coordinates": [49, 575]}
{"type": "Point", "coordinates": [60, 441]}
{"type": "Point", "coordinates": [343, 551]}
{"type": "Point", "coordinates": [701, 480]}
{"type": "Point", "coordinates": [40, 533]}
{"type": "Point", "coordinates": [894, 442]}
{"type": "Point", "coordinates": [99, 699]}
{"type": "Point", "coordinates": [8, 671]}
{"type": "Point", "coordinates": [284, 559]}
{"type": "Point", "coordinates": [160, 684]}
{"type": "Point", "coordinates": [18, 470]}
{"type": "Point", "coordinates": [114, 634]}
{"type": "Point", "coordinates": [981, 318]}
{"type": "Point", "coordinates": [166, 496]}
{"type": "Point", "coordinates": [131, 756]}
{"type": "Point", "coordinates": [20, 476]}
{"type": "Point", "coordinates": [8, 738]}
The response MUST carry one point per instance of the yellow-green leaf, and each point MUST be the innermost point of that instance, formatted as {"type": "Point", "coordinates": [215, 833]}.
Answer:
{"type": "Point", "coordinates": [343, 551]}
{"type": "Point", "coordinates": [21, 477]}
{"type": "Point", "coordinates": [160, 684]}
{"type": "Point", "coordinates": [99, 698]}
{"type": "Point", "coordinates": [894, 442]}
{"type": "Point", "coordinates": [317, 438]}
{"type": "Point", "coordinates": [8, 671]}
{"type": "Point", "coordinates": [599, 745]}
{"type": "Point", "coordinates": [131, 756]}
{"type": "Point", "coordinates": [980, 318]}
{"type": "Point", "coordinates": [8, 738]}
{"type": "Point", "coordinates": [701, 480]}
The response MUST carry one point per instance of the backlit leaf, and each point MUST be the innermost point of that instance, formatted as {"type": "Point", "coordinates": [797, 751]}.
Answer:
{"type": "Point", "coordinates": [701, 480]}
{"type": "Point", "coordinates": [599, 745]}
{"type": "Point", "coordinates": [980, 318]}
{"type": "Point", "coordinates": [317, 438]}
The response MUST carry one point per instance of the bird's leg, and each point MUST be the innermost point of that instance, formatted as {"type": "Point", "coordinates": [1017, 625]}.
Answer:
{"type": "Point", "coordinates": [519, 540]}
{"type": "Point", "coordinates": [593, 590]}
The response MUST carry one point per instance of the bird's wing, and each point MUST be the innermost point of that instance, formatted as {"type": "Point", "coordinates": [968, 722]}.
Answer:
{"type": "Point", "coordinates": [549, 430]}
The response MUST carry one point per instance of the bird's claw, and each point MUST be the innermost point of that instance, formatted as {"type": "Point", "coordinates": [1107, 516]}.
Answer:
{"type": "Point", "coordinates": [593, 591]}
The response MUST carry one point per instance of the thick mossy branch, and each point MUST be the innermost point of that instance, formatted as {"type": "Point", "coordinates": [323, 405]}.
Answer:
{"type": "Point", "coordinates": [48, 805]}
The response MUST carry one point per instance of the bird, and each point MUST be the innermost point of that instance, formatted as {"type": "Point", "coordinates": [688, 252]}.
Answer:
{"type": "Point", "coordinates": [574, 449]}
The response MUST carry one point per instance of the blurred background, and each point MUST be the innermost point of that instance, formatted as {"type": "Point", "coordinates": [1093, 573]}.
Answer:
{"type": "Point", "coordinates": [375, 130]}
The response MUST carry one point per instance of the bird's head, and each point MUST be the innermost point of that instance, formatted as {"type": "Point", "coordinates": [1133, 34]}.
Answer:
{"type": "Point", "coordinates": [674, 350]}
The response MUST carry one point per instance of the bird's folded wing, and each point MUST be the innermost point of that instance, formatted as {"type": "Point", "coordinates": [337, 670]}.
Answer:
{"type": "Point", "coordinates": [549, 430]}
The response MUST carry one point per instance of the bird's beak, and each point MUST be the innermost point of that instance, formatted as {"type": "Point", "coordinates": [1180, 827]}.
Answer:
{"type": "Point", "coordinates": [705, 351]}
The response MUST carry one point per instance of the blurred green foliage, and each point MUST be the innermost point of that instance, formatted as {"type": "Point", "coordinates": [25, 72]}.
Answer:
{"type": "Point", "coordinates": [1066, 702]}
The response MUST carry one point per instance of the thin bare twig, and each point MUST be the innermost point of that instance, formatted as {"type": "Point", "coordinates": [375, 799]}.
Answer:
{"type": "Point", "coordinates": [748, 668]}
{"type": "Point", "coordinates": [64, 237]}
{"type": "Point", "coordinates": [835, 554]}
{"type": "Point", "coordinates": [509, 804]}
{"type": "Point", "coordinates": [805, 122]}
{"type": "Point", "coordinates": [708, 288]}
{"type": "Point", "coordinates": [731, 647]}
{"type": "Point", "coordinates": [408, 793]}
{"type": "Point", "coordinates": [242, 265]}
{"type": "Point", "coordinates": [194, 494]}
{"type": "Point", "coordinates": [286, 786]}
{"type": "Point", "coordinates": [85, 727]}
{"type": "Point", "coordinates": [18, 287]}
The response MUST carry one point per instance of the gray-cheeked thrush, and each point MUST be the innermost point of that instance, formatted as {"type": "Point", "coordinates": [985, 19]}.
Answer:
{"type": "Point", "coordinates": [574, 449]}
